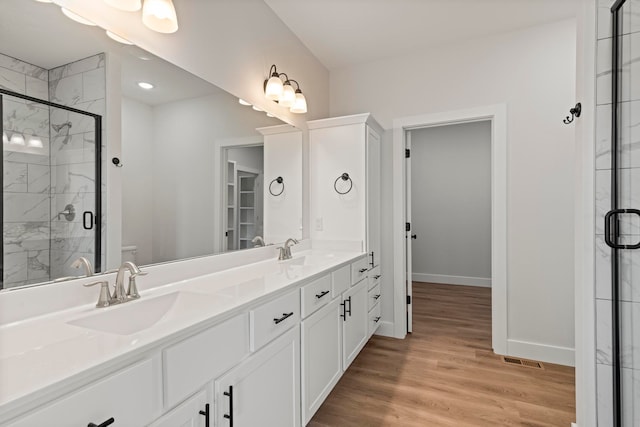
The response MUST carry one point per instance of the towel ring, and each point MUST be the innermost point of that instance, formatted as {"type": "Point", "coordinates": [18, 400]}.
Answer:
{"type": "Point", "coordinates": [345, 177]}
{"type": "Point", "coordinates": [279, 180]}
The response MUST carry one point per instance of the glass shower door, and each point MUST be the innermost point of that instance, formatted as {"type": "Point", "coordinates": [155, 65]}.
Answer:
{"type": "Point", "coordinates": [50, 176]}
{"type": "Point", "coordinates": [622, 222]}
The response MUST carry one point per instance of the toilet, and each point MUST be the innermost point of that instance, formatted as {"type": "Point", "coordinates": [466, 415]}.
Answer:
{"type": "Point", "coordinates": [129, 253]}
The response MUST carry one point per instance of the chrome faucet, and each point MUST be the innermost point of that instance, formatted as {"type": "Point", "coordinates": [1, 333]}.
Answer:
{"type": "Point", "coordinates": [285, 250]}
{"type": "Point", "coordinates": [132, 293]}
{"type": "Point", "coordinates": [258, 242]}
{"type": "Point", "coordinates": [83, 262]}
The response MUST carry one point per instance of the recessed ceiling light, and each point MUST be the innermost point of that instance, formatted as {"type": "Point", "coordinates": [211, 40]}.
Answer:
{"type": "Point", "coordinates": [145, 85]}
{"type": "Point", "coordinates": [117, 38]}
{"type": "Point", "coordinates": [75, 17]}
{"type": "Point", "coordinates": [243, 102]}
{"type": "Point", "coordinates": [256, 108]}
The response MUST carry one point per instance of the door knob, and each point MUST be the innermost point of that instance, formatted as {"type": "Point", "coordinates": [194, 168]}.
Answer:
{"type": "Point", "coordinates": [414, 236]}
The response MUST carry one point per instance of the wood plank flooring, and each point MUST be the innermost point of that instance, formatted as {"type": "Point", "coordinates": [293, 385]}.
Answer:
{"type": "Point", "coordinates": [445, 374]}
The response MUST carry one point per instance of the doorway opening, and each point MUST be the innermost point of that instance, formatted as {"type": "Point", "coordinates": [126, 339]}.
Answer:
{"type": "Point", "coordinates": [403, 128]}
{"type": "Point", "coordinates": [449, 207]}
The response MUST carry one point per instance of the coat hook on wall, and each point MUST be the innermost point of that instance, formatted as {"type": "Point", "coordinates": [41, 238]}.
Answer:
{"type": "Point", "coordinates": [344, 177]}
{"type": "Point", "coordinates": [575, 112]}
{"type": "Point", "coordinates": [278, 180]}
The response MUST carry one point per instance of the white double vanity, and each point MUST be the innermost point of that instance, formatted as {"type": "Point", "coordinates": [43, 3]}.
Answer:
{"type": "Point", "coordinates": [239, 339]}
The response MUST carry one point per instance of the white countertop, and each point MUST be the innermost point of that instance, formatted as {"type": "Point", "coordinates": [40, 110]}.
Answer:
{"type": "Point", "coordinates": [40, 355]}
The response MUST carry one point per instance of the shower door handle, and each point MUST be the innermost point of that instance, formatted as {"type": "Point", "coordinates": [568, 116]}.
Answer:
{"type": "Point", "coordinates": [87, 220]}
{"type": "Point", "coordinates": [611, 216]}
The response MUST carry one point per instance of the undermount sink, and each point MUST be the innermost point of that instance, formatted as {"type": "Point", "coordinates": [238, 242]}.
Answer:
{"type": "Point", "coordinates": [136, 316]}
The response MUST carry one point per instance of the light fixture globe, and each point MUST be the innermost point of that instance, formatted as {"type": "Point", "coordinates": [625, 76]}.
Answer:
{"type": "Point", "coordinates": [288, 96]}
{"type": "Point", "coordinates": [17, 139]}
{"type": "Point", "coordinates": [126, 5]}
{"type": "Point", "coordinates": [273, 89]}
{"type": "Point", "coordinates": [160, 16]}
{"type": "Point", "coordinates": [300, 104]}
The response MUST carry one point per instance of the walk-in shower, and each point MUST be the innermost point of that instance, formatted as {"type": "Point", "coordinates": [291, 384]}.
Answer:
{"type": "Point", "coordinates": [51, 200]}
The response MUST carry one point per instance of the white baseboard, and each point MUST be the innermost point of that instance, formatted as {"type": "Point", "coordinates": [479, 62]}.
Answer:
{"type": "Point", "coordinates": [451, 280]}
{"type": "Point", "coordinates": [542, 352]}
{"type": "Point", "coordinates": [386, 329]}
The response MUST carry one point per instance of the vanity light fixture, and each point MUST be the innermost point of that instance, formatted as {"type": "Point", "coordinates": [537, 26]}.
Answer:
{"type": "Point", "coordinates": [17, 139]}
{"type": "Point", "coordinates": [257, 108]}
{"type": "Point", "coordinates": [34, 142]}
{"type": "Point", "coordinates": [126, 5]}
{"type": "Point", "coordinates": [160, 16]}
{"type": "Point", "coordinates": [243, 102]}
{"type": "Point", "coordinates": [270, 115]}
{"type": "Point", "coordinates": [75, 17]}
{"type": "Point", "coordinates": [282, 91]}
{"type": "Point", "coordinates": [145, 85]}
{"type": "Point", "coordinates": [5, 138]}
{"type": "Point", "coordinates": [117, 38]}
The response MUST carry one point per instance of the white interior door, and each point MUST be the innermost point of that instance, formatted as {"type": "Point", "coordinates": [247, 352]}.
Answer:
{"type": "Point", "coordinates": [408, 240]}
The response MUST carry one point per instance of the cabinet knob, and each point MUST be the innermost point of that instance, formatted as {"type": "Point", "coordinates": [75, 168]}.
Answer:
{"type": "Point", "coordinates": [104, 424]}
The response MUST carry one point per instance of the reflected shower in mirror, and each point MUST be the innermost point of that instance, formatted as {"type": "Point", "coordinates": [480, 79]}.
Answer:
{"type": "Point", "coordinates": [174, 139]}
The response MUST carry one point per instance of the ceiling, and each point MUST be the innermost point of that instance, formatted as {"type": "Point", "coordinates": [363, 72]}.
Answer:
{"type": "Point", "coordinates": [341, 33]}
{"type": "Point", "coordinates": [60, 41]}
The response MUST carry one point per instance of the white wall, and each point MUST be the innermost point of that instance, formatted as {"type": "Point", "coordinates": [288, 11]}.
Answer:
{"type": "Point", "coordinates": [137, 176]}
{"type": "Point", "coordinates": [533, 72]}
{"type": "Point", "coordinates": [249, 157]}
{"type": "Point", "coordinates": [451, 204]}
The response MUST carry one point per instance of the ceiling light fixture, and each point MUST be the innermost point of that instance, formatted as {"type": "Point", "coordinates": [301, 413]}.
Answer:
{"type": "Point", "coordinates": [283, 93]}
{"type": "Point", "coordinates": [75, 17]}
{"type": "Point", "coordinates": [126, 5]}
{"type": "Point", "coordinates": [145, 85]}
{"type": "Point", "coordinates": [160, 16]}
{"type": "Point", "coordinates": [243, 102]}
{"type": "Point", "coordinates": [115, 37]}
{"type": "Point", "coordinates": [17, 139]}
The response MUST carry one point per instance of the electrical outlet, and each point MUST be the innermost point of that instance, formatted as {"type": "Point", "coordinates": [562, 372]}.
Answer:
{"type": "Point", "coordinates": [319, 224]}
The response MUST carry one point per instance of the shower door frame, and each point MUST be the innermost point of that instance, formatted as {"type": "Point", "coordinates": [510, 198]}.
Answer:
{"type": "Point", "coordinates": [98, 172]}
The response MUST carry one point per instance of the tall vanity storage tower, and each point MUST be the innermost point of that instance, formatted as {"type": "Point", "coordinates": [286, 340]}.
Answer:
{"type": "Point", "coordinates": [345, 194]}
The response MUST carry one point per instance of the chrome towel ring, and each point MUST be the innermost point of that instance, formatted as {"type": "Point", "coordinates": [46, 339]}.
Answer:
{"type": "Point", "coordinates": [278, 180]}
{"type": "Point", "coordinates": [344, 177]}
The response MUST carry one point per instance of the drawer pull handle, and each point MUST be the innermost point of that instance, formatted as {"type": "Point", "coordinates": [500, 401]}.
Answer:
{"type": "Point", "coordinates": [284, 317]}
{"type": "Point", "coordinates": [344, 310]}
{"type": "Point", "coordinates": [362, 270]}
{"type": "Point", "coordinates": [372, 263]}
{"type": "Point", "coordinates": [377, 276]}
{"type": "Point", "coordinates": [349, 310]}
{"type": "Point", "coordinates": [104, 424]}
{"type": "Point", "coordinates": [206, 415]}
{"type": "Point", "coordinates": [229, 416]}
{"type": "Point", "coordinates": [377, 319]}
{"type": "Point", "coordinates": [321, 294]}
{"type": "Point", "coordinates": [376, 296]}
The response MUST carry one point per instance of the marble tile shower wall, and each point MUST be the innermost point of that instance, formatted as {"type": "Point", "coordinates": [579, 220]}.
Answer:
{"type": "Point", "coordinates": [81, 85]}
{"type": "Point", "coordinates": [26, 180]}
{"type": "Point", "coordinates": [630, 227]}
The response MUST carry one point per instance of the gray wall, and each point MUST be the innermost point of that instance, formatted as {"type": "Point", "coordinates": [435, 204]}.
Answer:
{"type": "Point", "coordinates": [451, 203]}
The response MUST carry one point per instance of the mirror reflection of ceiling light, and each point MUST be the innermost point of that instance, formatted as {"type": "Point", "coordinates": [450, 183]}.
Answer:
{"type": "Point", "coordinates": [160, 16]}
{"type": "Point", "coordinates": [243, 102]}
{"type": "Point", "coordinates": [35, 142]}
{"type": "Point", "coordinates": [17, 139]}
{"type": "Point", "coordinates": [145, 85]}
{"type": "Point", "coordinates": [126, 5]}
{"type": "Point", "coordinates": [75, 17]}
{"type": "Point", "coordinates": [5, 138]}
{"type": "Point", "coordinates": [117, 38]}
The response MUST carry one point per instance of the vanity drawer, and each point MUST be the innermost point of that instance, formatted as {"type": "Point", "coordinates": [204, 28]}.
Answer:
{"type": "Point", "coordinates": [374, 296]}
{"type": "Point", "coordinates": [193, 362]}
{"type": "Point", "coordinates": [374, 319]}
{"type": "Point", "coordinates": [359, 270]}
{"type": "Point", "coordinates": [132, 397]}
{"type": "Point", "coordinates": [340, 280]}
{"type": "Point", "coordinates": [315, 295]}
{"type": "Point", "coordinates": [273, 318]}
{"type": "Point", "coordinates": [374, 277]}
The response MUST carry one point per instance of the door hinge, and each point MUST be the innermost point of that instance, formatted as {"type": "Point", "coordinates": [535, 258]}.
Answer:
{"type": "Point", "coordinates": [407, 153]}
{"type": "Point", "coordinates": [407, 226]}
{"type": "Point", "coordinates": [408, 299]}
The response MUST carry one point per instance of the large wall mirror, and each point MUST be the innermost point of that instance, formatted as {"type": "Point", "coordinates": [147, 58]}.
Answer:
{"type": "Point", "coordinates": [192, 161]}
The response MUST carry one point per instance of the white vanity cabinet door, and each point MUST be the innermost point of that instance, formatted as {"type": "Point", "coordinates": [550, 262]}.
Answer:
{"type": "Point", "coordinates": [321, 356]}
{"type": "Point", "coordinates": [373, 196]}
{"type": "Point", "coordinates": [191, 363]}
{"type": "Point", "coordinates": [188, 414]}
{"type": "Point", "coordinates": [131, 396]}
{"type": "Point", "coordinates": [264, 390]}
{"type": "Point", "coordinates": [355, 325]}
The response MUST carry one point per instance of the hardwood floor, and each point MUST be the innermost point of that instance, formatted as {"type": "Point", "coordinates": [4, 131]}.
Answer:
{"type": "Point", "coordinates": [445, 374]}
